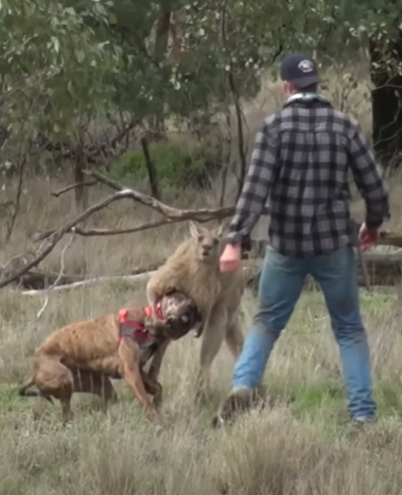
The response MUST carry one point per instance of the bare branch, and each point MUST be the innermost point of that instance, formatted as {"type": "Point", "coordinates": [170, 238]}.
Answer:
{"type": "Point", "coordinates": [59, 276]}
{"type": "Point", "coordinates": [200, 215]}
{"type": "Point", "coordinates": [59, 192]}
{"type": "Point", "coordinates": [111, 232]}
{"type": "Point", "coordinates": [170, 214]}
{"type": "Point", "coordinates": [105, 180]}
{"type": "Point", "coordinates": [151, 170]}
{"type": "Point", "coordinates": [251, 270]}
{"type": "Point", "coordinates": [236, 102]}
{"type": "Point", "coordinates": [390, 239]}
{"type": "Point", "coordinates": [139, 277]}
{"type": "Point", "coordinates": [11, 225]}
{"type": "Point", "coordinates": [56, 236]}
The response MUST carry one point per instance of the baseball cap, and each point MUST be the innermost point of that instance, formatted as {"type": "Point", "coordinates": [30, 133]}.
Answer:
{"type": "Point", "coordinates": [300, 70]}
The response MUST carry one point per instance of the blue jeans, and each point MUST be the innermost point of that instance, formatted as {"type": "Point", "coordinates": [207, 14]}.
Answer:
{"type": "Point", "coordinates": [281, 283]}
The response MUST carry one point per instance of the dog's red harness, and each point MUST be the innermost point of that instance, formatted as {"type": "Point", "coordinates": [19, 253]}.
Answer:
{"type": "Point", "coordinates": [136, 329]}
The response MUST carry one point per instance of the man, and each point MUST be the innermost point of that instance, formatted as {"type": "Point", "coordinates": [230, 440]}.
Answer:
{"type": "Point", "coordinates": [301, 159]}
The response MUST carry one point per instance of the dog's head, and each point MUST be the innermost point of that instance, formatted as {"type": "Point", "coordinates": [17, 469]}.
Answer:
{"type": "Point", "coordinates": [180, 314]}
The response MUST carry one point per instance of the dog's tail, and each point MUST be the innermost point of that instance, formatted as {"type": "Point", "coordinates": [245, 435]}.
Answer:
{"type": "Point", "coordinates": [24, 392]}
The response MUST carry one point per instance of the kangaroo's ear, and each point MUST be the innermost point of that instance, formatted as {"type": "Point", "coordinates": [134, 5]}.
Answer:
{"type": "Point", "coordinates": [194, 229]}
{"type": "Point", "coordinates": [219, 230]}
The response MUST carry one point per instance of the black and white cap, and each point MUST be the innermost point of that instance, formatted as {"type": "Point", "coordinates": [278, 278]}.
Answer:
{"type": "Point", "coordinates": [300, 70]}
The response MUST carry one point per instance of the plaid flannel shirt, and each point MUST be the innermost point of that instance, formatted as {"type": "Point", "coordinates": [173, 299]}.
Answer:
{"type": "Point", "coordinates": [300, 161]}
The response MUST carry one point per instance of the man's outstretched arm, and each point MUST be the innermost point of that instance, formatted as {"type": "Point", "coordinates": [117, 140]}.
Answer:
{"type": "Point", "coordinates": [257, 185]}
{"type": "Point", "coordinates": [369, 180]}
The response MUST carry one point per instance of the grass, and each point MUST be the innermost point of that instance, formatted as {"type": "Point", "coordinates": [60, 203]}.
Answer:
{"type": "Point", "coordinates": [299, 446]}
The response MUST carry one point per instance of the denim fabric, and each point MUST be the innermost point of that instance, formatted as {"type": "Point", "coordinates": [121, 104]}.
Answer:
{"type": "Point", "coordinates": [281, 283]}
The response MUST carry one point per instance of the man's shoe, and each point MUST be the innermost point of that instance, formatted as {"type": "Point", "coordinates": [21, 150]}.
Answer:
{"type": "Point", "coordinates": [239, 400]}
{"type": "Point", "coordinates": [358, 424]}
{"type": "Point", "coordinates": [361, 421]}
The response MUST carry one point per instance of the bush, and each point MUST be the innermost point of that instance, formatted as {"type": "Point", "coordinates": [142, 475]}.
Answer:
{"type": "Point", "coordinates": [178, 166]}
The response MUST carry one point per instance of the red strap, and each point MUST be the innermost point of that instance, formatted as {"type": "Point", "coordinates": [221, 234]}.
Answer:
{"type": "Point", "coordinates": [148, 311]}
{"type": "Point", "coordinates": [140, 333]}
{"type": "Point", "coordinates": [123, 313]}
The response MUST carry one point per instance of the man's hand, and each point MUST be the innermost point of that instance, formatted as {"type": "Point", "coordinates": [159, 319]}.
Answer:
{"type": "Point", "coordinates": [230, 258]}
{"type": "Point", "coordinates": [367, 237]}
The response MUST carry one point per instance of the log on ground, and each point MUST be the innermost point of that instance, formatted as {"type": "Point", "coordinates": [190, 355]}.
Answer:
{"type": "Point", "coordinates": [383, 270]}
{"type": "Point", "coordinates": [38, 280]}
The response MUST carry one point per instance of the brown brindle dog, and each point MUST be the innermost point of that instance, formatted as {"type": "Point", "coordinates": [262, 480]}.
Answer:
{"type": "Point", "coordinates": [83, 356]}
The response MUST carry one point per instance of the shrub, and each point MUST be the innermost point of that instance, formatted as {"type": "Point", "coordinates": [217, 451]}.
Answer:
{"type": "Point", "coordinates": [179, 166]}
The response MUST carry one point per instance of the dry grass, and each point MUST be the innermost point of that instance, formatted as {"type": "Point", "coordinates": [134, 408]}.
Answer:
{"type": "Point", "coordinates": [300, 447]}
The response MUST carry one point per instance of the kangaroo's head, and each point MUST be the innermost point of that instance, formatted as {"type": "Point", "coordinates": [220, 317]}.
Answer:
{"type": "Point", "coordinates": [207, 241]}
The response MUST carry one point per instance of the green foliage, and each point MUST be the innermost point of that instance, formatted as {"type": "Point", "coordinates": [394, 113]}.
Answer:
{"type": "Point", "coordinates": [176, 165]}
{"type": "Point", "coordinates": [54, 68]}
{"type": "Point", "coordinates": [66, 64]}
{"type": "Point", "coordinates": [239, 38]}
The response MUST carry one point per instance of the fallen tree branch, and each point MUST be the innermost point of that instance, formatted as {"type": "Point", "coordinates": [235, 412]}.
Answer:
{"type": "Point", "coordinates": [251, 270]}
{"type": "Point", "coordinates": [59, 276]}
{"type": "Point", "coordinates": [58, 234]}
{"type": "Point", "coordinates": [106, 180]}
{"type": "Point", "coordinates": [59, 192]}
{"type": "Point", "coordinates": [202, 214]}
{"type": "Point", "coordinates": [118, 278]}
{"type": "Point", "coordinates": [390, 239]}
{"type": "Point", "coordinates": [111, 232]}
{"type": "Point", "coordinates": [171, 215]}
{"type": "Point", "coordinates": [139, 277]}
{"type": "Point", "coordinates": [36, 280]}
{"type": "Point", "coordinates": [362, 261]}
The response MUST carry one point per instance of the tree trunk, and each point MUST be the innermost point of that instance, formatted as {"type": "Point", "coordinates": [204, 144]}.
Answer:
{"type": "Point", "coordinates": [386, 100]}
{"type": "Point", "coordinates": [81, 192]}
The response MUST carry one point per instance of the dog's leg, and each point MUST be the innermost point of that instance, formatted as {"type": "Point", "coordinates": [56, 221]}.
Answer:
{"type": "Point", "coordinates": [131, 372]}
{"type": "Point", "coordinates": [154, 388]}
{"type": "Point", "coordinates": [156, 362]}
{"type": "Point", "coordinates": [153, 373]}
{"type": "Point", "coordinates": [97, 383]}
{"type": "Point", "coordinates": [212, 339]}
{"type": "Point", "coordinates": [52, 378]}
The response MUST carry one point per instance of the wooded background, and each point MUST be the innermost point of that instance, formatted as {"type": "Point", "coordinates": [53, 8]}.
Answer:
{"type": "Point", "coordinates": [98, 87]}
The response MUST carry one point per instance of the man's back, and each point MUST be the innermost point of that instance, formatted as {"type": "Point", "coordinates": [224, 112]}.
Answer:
{"type": "Point", "coordinates": [309, 200]}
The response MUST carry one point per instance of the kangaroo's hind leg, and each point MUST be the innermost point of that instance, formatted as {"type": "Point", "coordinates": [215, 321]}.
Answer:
{"type": "Point", "coordinates": [212, 338]}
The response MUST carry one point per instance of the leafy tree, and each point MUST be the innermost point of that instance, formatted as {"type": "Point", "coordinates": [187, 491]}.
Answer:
{"type": "Point", "coordinates": [63, 65]}
{"type": "Point", "coordinates": [55, 70]}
